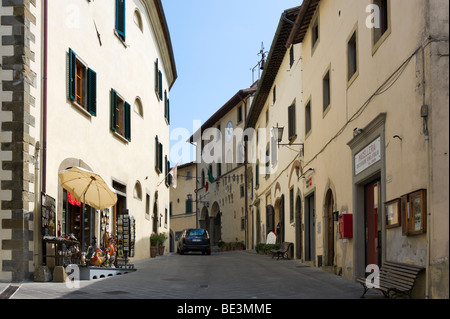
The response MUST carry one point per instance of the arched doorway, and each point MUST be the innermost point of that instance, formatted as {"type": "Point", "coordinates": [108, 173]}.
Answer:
{"type": "Point", "coordinates": [203, 220]}
{"type": "Point", "coordinates": [298, 228]}
{"type": "Point", "coordinates": [329, 205]}
{"type": "Point", "coordinates": [215, 232]}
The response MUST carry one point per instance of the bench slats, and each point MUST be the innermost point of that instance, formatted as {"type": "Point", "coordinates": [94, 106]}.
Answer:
{"type": "Point", "coordinates": [395, 276]}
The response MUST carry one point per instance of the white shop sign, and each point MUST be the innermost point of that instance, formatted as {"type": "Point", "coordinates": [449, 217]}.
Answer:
{"type": "Point", "coordinates": [368, 156]}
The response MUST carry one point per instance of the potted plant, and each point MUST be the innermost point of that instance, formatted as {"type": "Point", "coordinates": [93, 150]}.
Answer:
{"type": "Point", "coordinates": [153, 244]}
{"type": "Point", "coordinates": [161, 240]}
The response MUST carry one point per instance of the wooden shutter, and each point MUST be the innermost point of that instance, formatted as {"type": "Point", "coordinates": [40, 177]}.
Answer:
{"type": "Point", "coordinates": [92, 92]}
{"type": "Point", "coordinates": [160, 157]}
{"type": "Point", "coordinates": [160, 85]}
{"type": "Point", "coordinates": [120, 18]}
{"type": "Point", "coordinates": [113, 114]}
{"type": "Point", "coordinates": [127, 121]}
{"type": "Point", "coordinates": [156, 77]}
{"type": "Point", "coordinates": [72, 74]}
{"type": "Point", "coordinates": [156, 152]}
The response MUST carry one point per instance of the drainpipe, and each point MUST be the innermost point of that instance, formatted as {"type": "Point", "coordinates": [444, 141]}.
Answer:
{"type": "Point", "coordinates": [428, 165]}
{"type": "Point", "coordinates": [44, 99]}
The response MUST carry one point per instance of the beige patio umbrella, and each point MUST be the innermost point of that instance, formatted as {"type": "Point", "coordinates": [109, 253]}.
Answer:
{"type": "Point", "coordinates": [89, 188]}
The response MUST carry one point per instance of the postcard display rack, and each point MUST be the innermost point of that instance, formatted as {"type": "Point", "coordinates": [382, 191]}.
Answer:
{"type": "Point", "coordinates": [126, 236]}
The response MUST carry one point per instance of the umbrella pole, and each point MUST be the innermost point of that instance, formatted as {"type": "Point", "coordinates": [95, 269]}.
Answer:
{"type": "Point", "coordinates": [82, 215]}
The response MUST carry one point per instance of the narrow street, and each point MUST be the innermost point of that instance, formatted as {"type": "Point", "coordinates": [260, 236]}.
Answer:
{"type": "Point", "coordinates": [231, 275]}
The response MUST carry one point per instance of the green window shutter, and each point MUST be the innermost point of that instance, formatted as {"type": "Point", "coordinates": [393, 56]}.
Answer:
{"type": "Point", "coordinates": [120, 18]}
{"type": "Point", "coordinates": [127, 121]}
{"type": "Point", "coordinates": [160, 157]}
{"type": "Point", "coordinates": [160, 85]}
{"type": "Point", "coordinates": [113, 110]}
{"type": "Point", "coordinates": [156, 77]}
{"type": "Point", "coordinates": [92, 92]}
{"type": "Point", "coordinates": [257, 175]}
{"type": "Point", "coordinates": [168, 111]}
{"type": "Point", "coordinates": [166, 163]}
{"type": "Point", "coordinates": [156, 152]}
{"type": "Point", "coordinates": [165, 104]}
{"type": "Point", "coordinates": [72, 74]}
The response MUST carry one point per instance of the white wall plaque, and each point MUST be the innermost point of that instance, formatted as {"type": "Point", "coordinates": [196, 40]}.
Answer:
{"type": "Point", "coordinates": [368, 156]}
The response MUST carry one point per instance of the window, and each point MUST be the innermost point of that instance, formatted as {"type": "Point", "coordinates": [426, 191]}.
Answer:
{"type": "Point", "coordinates": [239, 114]}
{"type": "Point", "coordinates": [242, 190]}
{"type": "Point", "coordinates": [120, 18]}
{"type": "Point", "coordinates": [82, 84]}
{"type": "Point", "coordinates": [138, 20]}
{"type": "Point", "coordinates": [168, 178]}
{"type": "Point", "coordinates": [158, 81]}
{"type": "Point", "coordinates": [203, 178]}
{"type": "Point", "coordinates": [382, 25]}
{"type": "Point", "coordinates": [274, 94]}
{"type": "Point", "coordinates": [291, 56]}
{"type": "Point", "coordinates": [257, 174]}
{"type": "Point", "coordinates": [188, 175]}
{"type": "Point", "coordinates": [315, 33]}
{"type": "Point", "coordinates": [326, 91]}
{"type": "Point", "coordinates": [158, 156]}
{"type": "Point", "coordinates": [352, 57]}
{"type": "Point", "coordinates": [267, 115]}
{"type": "Point", "coordinates": [291, 122]}
{"type": "Point", "coordinates": [308, 118]}
{"type": "Point", "coordinates": [166, 107]}
{"type": "Point", "coordinates": [267, 160]}
{"type": "Point", "coordinates": [120, 116]}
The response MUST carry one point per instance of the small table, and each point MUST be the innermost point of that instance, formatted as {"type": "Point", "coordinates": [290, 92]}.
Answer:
{"type": "Point", "coordinates": [62, 245]}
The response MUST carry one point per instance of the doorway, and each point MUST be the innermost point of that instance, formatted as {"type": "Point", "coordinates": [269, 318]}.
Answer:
{"type": "Point", "coordinates": [298, 228]}
{"type": "Point", "coordinates": [372, 224]}
{"type": "Point", "coordinates": [329, 203]}
{"type": "Point", "coordinates": [310, 228]}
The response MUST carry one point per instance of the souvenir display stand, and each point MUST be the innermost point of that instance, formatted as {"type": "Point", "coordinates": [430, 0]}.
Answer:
{"type": "Point", "coordinates": [125, 240]}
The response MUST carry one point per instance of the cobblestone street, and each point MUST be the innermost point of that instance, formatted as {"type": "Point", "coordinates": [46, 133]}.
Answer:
{"type": "Point", "coordinates": [230, 275]}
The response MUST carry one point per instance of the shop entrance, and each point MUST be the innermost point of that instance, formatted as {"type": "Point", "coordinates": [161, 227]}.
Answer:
{"type": "Point", "coordinates": [310, 228]}
{"type": "Point", "coordinates": [329, 202]}
{"type": "Point", "coordinates": [298, 228]}
{"type": "Point", "coordinates": [72, 223]}
{"type": "Point", "coordinates": [372, 224]}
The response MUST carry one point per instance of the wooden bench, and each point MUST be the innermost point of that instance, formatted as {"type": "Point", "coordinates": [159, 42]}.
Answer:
{"type": "Point", "coordinates": [283, 252]}
{"type": "Point", "coordinates": [396, 278]}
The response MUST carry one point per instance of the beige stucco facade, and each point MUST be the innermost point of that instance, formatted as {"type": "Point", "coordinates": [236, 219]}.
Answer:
{"type": "Point", "coordinates": [221, 207]}
{"type": "Point", "coordinates": [124, 60]}
{"type": "Point", "coordinates": [371, 142]}
{"type": "Point", "coordinates": [182, 202]}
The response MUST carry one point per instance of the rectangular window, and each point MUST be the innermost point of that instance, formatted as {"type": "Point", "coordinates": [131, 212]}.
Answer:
{"type": "Point", "coordinates": [120, 18]}
{"type": "Point", "coordinates": [291, 56]}
{"type": "Point", "coordinates": [188, 206]}
{"type": "Point", "coordinates": [239, 114]}
{"type": "Point", "coordinates": [382, 25]}
{"type": "Point", "coordinates": [120, 116]}
{"type": "Point", "coordinates": [82, 84]}
{"type": "Point", "coordinates": [291, 122]}
{"type": "Point", "coordinates": [352, 56]}
{"type": "Point", "coordinates": [308, 118]}
{"type": "Point", "coordinates": [158, 81]}
{"type": "Point", "coordinates": [315, 33]}
{"type": "Point", "coordinates": [274, 94]}
{"type": "Point", "coordinates": [326, 91]}
{"type": "Point", "coordinates": [166, 108]}
{"type": "Point", "coordinates": [159, 156]}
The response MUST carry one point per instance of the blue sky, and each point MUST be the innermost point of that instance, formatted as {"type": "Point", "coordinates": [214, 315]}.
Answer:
{"type": "Point", "coordinates": [216, 44]}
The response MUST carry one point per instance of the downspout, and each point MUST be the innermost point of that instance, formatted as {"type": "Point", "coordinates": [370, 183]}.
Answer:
{"type": "Point", "coordinates": [44, 100]}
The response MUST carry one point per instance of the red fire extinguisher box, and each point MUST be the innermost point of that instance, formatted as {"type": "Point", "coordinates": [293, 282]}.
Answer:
{"type": "Point", "coordinates": [346, 225]}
